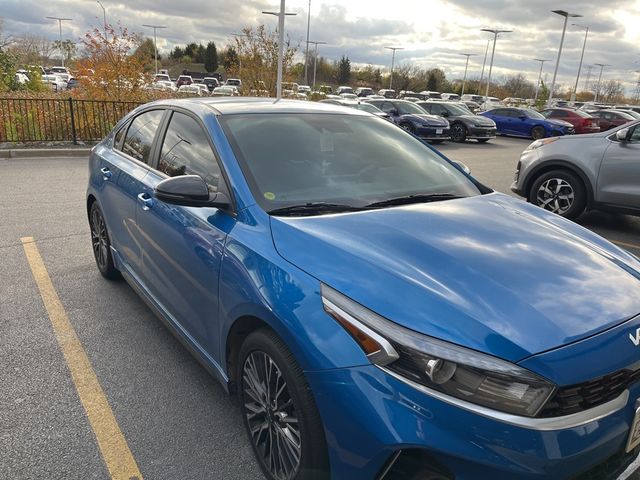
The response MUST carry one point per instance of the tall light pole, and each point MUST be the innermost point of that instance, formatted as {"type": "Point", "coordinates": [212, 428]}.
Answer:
{"type": "Point", "coordinates": [306, 52]}
{"type": "Point", "coordinates": [484, 63]}
{"type": "Point", "coordinates": [155, 43]}
{"type": "Point", "coordinates": [495, 32]}
{"type": "Point", "coordinates": [566, 16]}
{"type": "Point", "coordinates": [586, 82]}
{"type": "Point", "coordinates": [636, 94]}
{"type": "Point", "coordinates": [466, 66]}
{"type": "Point", "coordinates": [584, 45]}
{"type": "Point", "coordinates": [281, 14]}
{"type": "Point", "coordinates": [315, 59]}
{"type": "Point", "coordinates": [60, 20]}
{"type": "Point", "coordinates": [393, 60]}
{"type": "Point", "coordinates": [601, 65]}
{"type": "Point", "coordinates": [104, 19]}
{"type": "Point", "coordinates": [541, 60]}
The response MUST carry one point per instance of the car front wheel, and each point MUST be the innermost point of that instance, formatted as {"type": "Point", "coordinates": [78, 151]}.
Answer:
{"type": "Point", "coordinates": [560, 192]}
{"type": "Point", "coordinates": [279, 411]}
{"type": "Point", "coordinates": [538, 132]}
{"type": "Point", "coordinates": [458, 132]}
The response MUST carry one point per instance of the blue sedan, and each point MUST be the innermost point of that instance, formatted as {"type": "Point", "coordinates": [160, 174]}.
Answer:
{"type": "Point", "coordinates": [378, 312]}
{"type": "Point", "coordinates": [525, 122]}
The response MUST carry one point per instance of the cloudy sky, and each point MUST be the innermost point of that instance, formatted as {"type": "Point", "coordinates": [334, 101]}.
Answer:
{"type": "Point", "coordinates": [432, 32]}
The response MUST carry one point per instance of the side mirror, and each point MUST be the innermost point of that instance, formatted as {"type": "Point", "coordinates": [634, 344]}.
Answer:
{"type": "Point", "coordinates": [522, 117]}
{"type": "Point", "coordinates": [393, 112]}
{"type": "Point", "coordinates": [623, 134]}
{"type": "Point", "coordinates": [462, 166]}
{"type": "Point", "coordinates": [189, 191]}
{"type": "Point", "coordinates": [444, 114]}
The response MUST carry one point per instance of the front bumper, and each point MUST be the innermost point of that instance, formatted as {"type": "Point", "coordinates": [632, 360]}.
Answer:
{"type": "Point", "coordinates": [433, 133]}
{"type": "Point", "coordinates": [369, 416]}
{"type": "Point", "coordinates": [479, 133]}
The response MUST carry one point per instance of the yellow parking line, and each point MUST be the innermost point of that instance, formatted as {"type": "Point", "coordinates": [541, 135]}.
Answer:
{"type": "Point", "coordinates": [625, 244]}
{"type": "Point", "coordinates": [114, 448]}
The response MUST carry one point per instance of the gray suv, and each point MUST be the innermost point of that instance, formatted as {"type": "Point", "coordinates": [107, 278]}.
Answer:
{"type": "Point", "coordinates": [568, 175]}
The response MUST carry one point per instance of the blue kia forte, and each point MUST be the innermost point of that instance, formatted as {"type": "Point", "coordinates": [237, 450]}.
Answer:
{"type": "Point", "coordinates": [379, 313]}
{"type": "Point", "coordinates": [525, 122]}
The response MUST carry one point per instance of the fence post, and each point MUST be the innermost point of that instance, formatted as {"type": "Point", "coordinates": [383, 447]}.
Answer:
{"type": "Point", "coordinates": [73, 122]}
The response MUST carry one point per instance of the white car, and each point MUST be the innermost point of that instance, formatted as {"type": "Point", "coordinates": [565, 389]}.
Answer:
{"type": "Point", "coordinates": [21, 78]}
{"type": "Point", "coordinates": [54, 82]}
{"type": "Point", "coordinates": [304, 89]}
{"type": "Point", "coordinates": [190, 89]}
{"type": "Point", "coordinates": [163, 85]}
{"type": "Point", "coordinates": [161, 77]}
{"type": "Point", "coordinates": [349, 96]}
{"type": "Point", "coordinates": [204, 90]}
{"type": "Point", "coordinates": [57, 70]}
{"type": "Point", "coordinates": [226, 91]}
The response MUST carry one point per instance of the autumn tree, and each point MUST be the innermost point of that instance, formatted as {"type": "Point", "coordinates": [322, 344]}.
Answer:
{"type": "Point", "coordinates": [66, 48]}
{"type": "Point", "coordinates": [110, 71]}
{"type": "Point", "coordinates": [257, 51]}
{"type": "Point", "coordinates": [145, 53]}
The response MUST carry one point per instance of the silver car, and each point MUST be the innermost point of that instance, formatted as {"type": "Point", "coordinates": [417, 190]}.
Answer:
{"type": "Point", "coordinates": [568, 175]}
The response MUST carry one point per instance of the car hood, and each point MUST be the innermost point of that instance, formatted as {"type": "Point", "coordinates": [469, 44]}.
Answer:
{"type": "Point", "coordinates": [432, 120]}
{"type": "Point", "coordinates": [490, 272]}
{"type": "Point", "coordinates": [477, 120]}
{"type": "Point", "coordinates": [556, 121]}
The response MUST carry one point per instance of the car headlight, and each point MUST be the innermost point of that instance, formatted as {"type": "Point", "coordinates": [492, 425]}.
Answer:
{"type": "Point", "coordinates": [438, 365]}
{"type": "Point", "coordinates": [540, 143]}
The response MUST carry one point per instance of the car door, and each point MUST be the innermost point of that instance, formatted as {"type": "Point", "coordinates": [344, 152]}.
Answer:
{"type": "Point", "coordinates": [122, 169]}
{"type": "Point", "coordinates": [619, 177]}
{"type": "Point", "coordinates": [499, 116]}
{"type": "Point", "coordinates": [519, 123]}
{"type": "Point", "coordinates": [182, 247]}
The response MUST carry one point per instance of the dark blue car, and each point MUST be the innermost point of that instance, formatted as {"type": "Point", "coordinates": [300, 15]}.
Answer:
{"type": "Point", "coordinates": [525, 122]}
{"type": "Point", "coordinates": [379, 313]}
{"type": "Point", "coordinates": [414, 119]}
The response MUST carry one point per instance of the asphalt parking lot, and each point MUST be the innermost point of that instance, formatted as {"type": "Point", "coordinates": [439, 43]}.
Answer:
{"type": "Point", "coordinates": [174, 418]}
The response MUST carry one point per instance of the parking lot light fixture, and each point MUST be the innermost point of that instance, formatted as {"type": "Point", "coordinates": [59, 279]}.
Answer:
{"type": "Point", "coordinates": [393, 60]}
{"type": "Point", "coordinates": [315, 59]}
{"type": "Point", "coordinates": [566, 16]}
{"type": "Point", "coordinates": [495, 32]}
{"type": "Point", "coordinates": [155, 41]}
{"type": "Point", "coordinates": [584, 45]}
{"type": "Point", "coordinates": [60, 20]}
{"type": "Point", "coordinates": [466, 66]}
{"type": "Point", "coordinates": [541, 60]}
{"type": "Point", "coordinates": [484, 64]}
{"type": "Point", "coordinates": [601, 65]}
{"type": "Point", "coordinates": [104, 19]}
{"type": "Point", "coordinates": [281, 14]}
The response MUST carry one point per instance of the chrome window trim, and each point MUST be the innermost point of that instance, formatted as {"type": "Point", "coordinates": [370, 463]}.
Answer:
{"type": "Point", "coordinates": [539, 424]}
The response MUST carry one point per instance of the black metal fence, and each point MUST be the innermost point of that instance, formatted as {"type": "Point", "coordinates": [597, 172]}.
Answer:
{"type": "Point", "coordinates": [59, 119]}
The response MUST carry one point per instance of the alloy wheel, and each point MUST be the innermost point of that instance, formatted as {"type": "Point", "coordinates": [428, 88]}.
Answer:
{"type": "Point", "coordinates": [271, 416]}
{"type": "Point", "coordinates": [458, 133]}
{"type": "Point", "coordinates": [555, 195]}
{"type": "Point", "coordinates": [99, 239]}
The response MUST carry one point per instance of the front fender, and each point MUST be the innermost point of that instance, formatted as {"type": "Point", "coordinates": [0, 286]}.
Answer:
{"type": "Point", "coordinates": [255, 281]}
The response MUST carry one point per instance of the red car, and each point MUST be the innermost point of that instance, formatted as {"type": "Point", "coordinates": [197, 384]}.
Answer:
{"type": "Point", "coordinates": [582, 121]}
{"type": "Point", "coordinates": [612, 118]}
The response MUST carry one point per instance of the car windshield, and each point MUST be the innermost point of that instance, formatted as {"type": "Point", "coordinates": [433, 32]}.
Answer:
{"type": "Point", "coordinates": [582, 114]}
{"type": "Point", "coordinates": [297, 159]}
{"type": "Point", "coordinates": [409, 108]}
{"type": "Point", "coordinates": [532, 114]}
{"type": "Point", "coordinates": [367, 107]}
{"type": "Point", "coordinates": [457, 109]}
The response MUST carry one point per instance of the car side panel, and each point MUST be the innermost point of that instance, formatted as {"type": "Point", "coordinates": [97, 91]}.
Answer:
{"type": "Point", "coordinates": [619, 178]}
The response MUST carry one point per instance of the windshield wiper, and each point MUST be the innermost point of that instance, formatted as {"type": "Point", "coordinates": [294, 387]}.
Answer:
{"type": "Point", "coordinates": [313, 208]}
{"type": "Point", "coordinates": [417, 198]}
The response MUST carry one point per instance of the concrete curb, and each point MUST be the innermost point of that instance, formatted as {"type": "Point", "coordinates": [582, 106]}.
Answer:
{"type": "Point", "coordinates": [44, 152]}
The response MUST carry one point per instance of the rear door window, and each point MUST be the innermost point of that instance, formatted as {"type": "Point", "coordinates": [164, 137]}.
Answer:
{"type": "Point", "coordinates": [140, 135]}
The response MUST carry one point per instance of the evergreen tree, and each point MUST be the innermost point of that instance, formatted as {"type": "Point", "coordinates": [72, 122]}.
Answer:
{"type": "Point", "coordinates": [211, 57]}
{"type": "Point", "coordinates": [343, 74]}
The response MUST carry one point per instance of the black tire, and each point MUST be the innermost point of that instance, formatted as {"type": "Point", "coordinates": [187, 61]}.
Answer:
{"type": "Point", "coordinates": [483, 140]}
{"type": "Point", "coordinates": [458, 132]}
{"type": "Point", "coordinates": [436, 142]}
{"type": "Point", "coordinates": [559, 191]}
{"type": "Point", "coordinates": [101, 244]}
{"type": "Point", "coordinates": [408, 127]}
{"type": "Point", "coordinates": [538, 132]}
{"type": "Point", "coordinates": [299, 404]}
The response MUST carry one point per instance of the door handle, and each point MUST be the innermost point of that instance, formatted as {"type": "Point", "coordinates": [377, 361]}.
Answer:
{"type": "Point", "coordinates": [106, 173]}
{"type": "Point", "coordinates": [146, 200]}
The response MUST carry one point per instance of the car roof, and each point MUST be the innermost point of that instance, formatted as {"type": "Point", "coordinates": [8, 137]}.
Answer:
{"type": "Point", "coordinates": [245, 105]}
